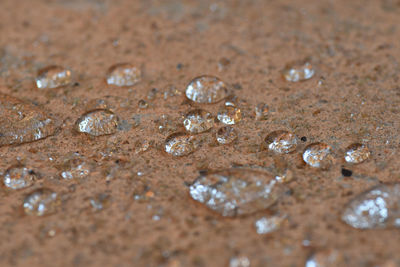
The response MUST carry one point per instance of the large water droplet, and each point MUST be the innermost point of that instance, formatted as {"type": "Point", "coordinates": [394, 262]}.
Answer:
{"type": "Point", "coordinates": [378, 207]}
{"type": "Point", "coordinates": [281, 141]}
{"type": "Point", "coordinates": [18, 177]}
{"type": "Point", "coordinates": [207, 89]}
{"type": "Point", "coordinates": [356, 153]}
{"type": "Point", "coordinates": [198, 121]}
{"type": "Point", "coordinates": [98, 122]}
{"type": "Point", "coordinates": [22, 122]}
{"type": "Point", "coordinates": [41, 202]}
{"type": "Point", "coordinates": [236, 191]}
{"type": "Point", "coordinates": [180, 144]}
{"type": "Point", "coordinates": [123, 74]}
{"type": "Point", "coordinates": [298, 71]}
{"type": "Point", "coordinates": [53, 77]}
{"type": "Point", "coordinates": [318, 155]}
{"type": "Point", "coordinates": [226, 135]}
{"type": "Point", "coordinates": [229, 115]}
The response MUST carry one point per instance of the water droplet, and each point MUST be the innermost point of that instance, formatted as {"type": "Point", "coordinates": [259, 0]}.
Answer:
{"type": "Point", "coordinates": [267, 225]}
{"type": "Point", "coordinates": [166, 124]}
{"type": "Point", "coordinates": [299, 71]}
{"type": "Point", "coordinates": [41, 202]}
{"type": "Point", "coordinates": [356, 153]}
{"type": "Point", "coordinates": [241, 261]}
{"type": "Point", "coordinates": [207, 89]}
{"type": "Point", "coordinates": [180, 144]}
{"type": "Point", "coordinates": [22, 122]}
{"type": "Point", "coordinates": [281, 141]}
{"type": "Point", "coordinates": [98, 122]}
{"type": "Point", "coordinates": [75, 168]}
{"type": "Point", "coordinates": [142, 146]}
{"type": "Point", "coordinates": [142, 104]}
{"type": "Point", "coordinates": [18, 177]}
{"type": "Point", "coordinates": [236, 191]}
{"type": "Point", "coordinates": [99, 202]}
{"type": "Point", "coordinates": [198, 121]}
{"type": "Point", "coordinates": [326, 258]}
{"type": "Point", "coordinates": [261, 111]}
{"type": "Point", "coordinates": [226, 135]}
{"type": "Point", "coordinates": [318, 155]}
{"type": "Point", "coordinates": [229, 115]}
{"type": "Point", "coordinates": [53, 77]}
{"type": "Point", "coordinates": [123, 74]}
{"type": "Point", "coordinates": [379, 207]}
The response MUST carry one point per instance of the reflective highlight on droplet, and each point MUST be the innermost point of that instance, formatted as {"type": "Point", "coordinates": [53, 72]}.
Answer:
{"type": "Point", "coordinates": [123, 74]}
{"type": "Point", "coordinates": [356, 153]}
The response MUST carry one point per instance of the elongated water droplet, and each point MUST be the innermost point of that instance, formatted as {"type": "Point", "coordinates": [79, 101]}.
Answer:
{"type": "Point", "coordinates": [267, 225]}
{"type": "Point", "coordinates": [53, 77]}
{"type": "Point", "coordinates": [98, 122]}
{"type": "Point", "coordinates": [236, 191]}
{"type": "Point", "coordinates": [123, 74]}
{"type": "Point", "coordinates": [226, 135]}
{"type": "Point", "coordinates": [378, 207]}
{"type": "Point", "coordinates": [180, 144]}
{"type": "Point", "coordinates": [18, 177]}
{"type": "Point", "coordinates": [281, 142]}
{"type": "Point", "coordinates": [356, 153]}
{"type": "Point", "coordinates": [21, 122]}
{"type": "Point", "coordinates": [298, 71]}
{"type": "Point", "coordinates": [41, 202]}
{"type": "Point", "coordinates": [198, 121]}
{"type": "Point", "coordinates": [318, 155]}
{"type": "Point", "coordinates": [207, 90]}
{"type": "Point", "coordinates": [229, 115]}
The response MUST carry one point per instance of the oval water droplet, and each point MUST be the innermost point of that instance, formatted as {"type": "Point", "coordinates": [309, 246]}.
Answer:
{"type": "Point", "coordinates": [236, 191]}
{"type": "Point", "coordinates": [281, 142]}
{"type": "Point", "coordinates": [356, 153]}
{"type": "Point", "coordinates": [207, 90]}
{"type": "Point", "coordinates": [22, 122]}
{"type": "Point", "coordinates": [41, 202]}
{"type": "Point", "coordinates": [379, 207]}
{"type": "Point", "coordinates": [18, 177]}
{"type": "Point", "coordinates": [299, 71]}
{"type": "Point", "coordinates": [123, 74]}
{"type": "Point", "coordinates": [53, 77]}
{"type": "Point", "coordinates": [318, 155]}
{"type": "Point", "coordinates": [180, 144]}
{"type": "Point", "coordinates": [198, 121]}
{"type": "Point", "coordinates": [229, 115]}
{"type": "Point", "coordinates": [98, 122]}
{"type": "Point", "coordinates": [226, 135]}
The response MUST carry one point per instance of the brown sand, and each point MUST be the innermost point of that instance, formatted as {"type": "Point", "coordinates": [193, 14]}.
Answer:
{"type": "Point", "coordinates": [354, 96]}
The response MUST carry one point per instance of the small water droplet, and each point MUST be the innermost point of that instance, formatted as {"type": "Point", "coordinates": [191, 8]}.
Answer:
{"type": "Point", "coordinates": [41, 202]}
{"type": "Point", "coordinates": [318, 155]}
{"type": "Point", "coordinates": [281, 142]}
{"type": "Point", "coordinates": [356, 153]}
{"type": "Point", "coordinates": [298, 71]}
{"type": "Point", "coordinates": [75, 168]}
{"type": "Point", "coordinates": [123, 74]}
{"type": "Point", "coordinates": [241, 261]}
{"type": "Point", "coordinates": [267, 225]}
{"type": "Point", "coordinates": [261, 111]}
{"type": "Point", "coordinates": [98, 122]}
{"type": "Point", "coordinates": [207, 89]}
{"type": "Point", "coordinates": [326, 258]}
{"type": "Point", "coordinates": [236, 191]}
{"type": "Point", "coordinates": [53, 77]}
{"type": "Point", "coordinates": [378, 207]}
{"type": "Point", "coordinates": [142, 146]}
{"type": "Point", "coordinates": [229, 115]}
{"type": "Point", "coordinates": [226, 135]}
{"type": "Point", "coordinates": [180, 144]}
{"type": "Point", "coordinates": [18, 177]}
{"type": "Point", "coordinates": [142, 104]}
{"type": "Point", "coordinates": [166, 124]}
{"type": "Point", "coordinates": [198, 121]}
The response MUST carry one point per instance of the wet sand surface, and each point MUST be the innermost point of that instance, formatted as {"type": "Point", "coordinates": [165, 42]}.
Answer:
{"type": "Point", "coordinates": [130, 204]}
